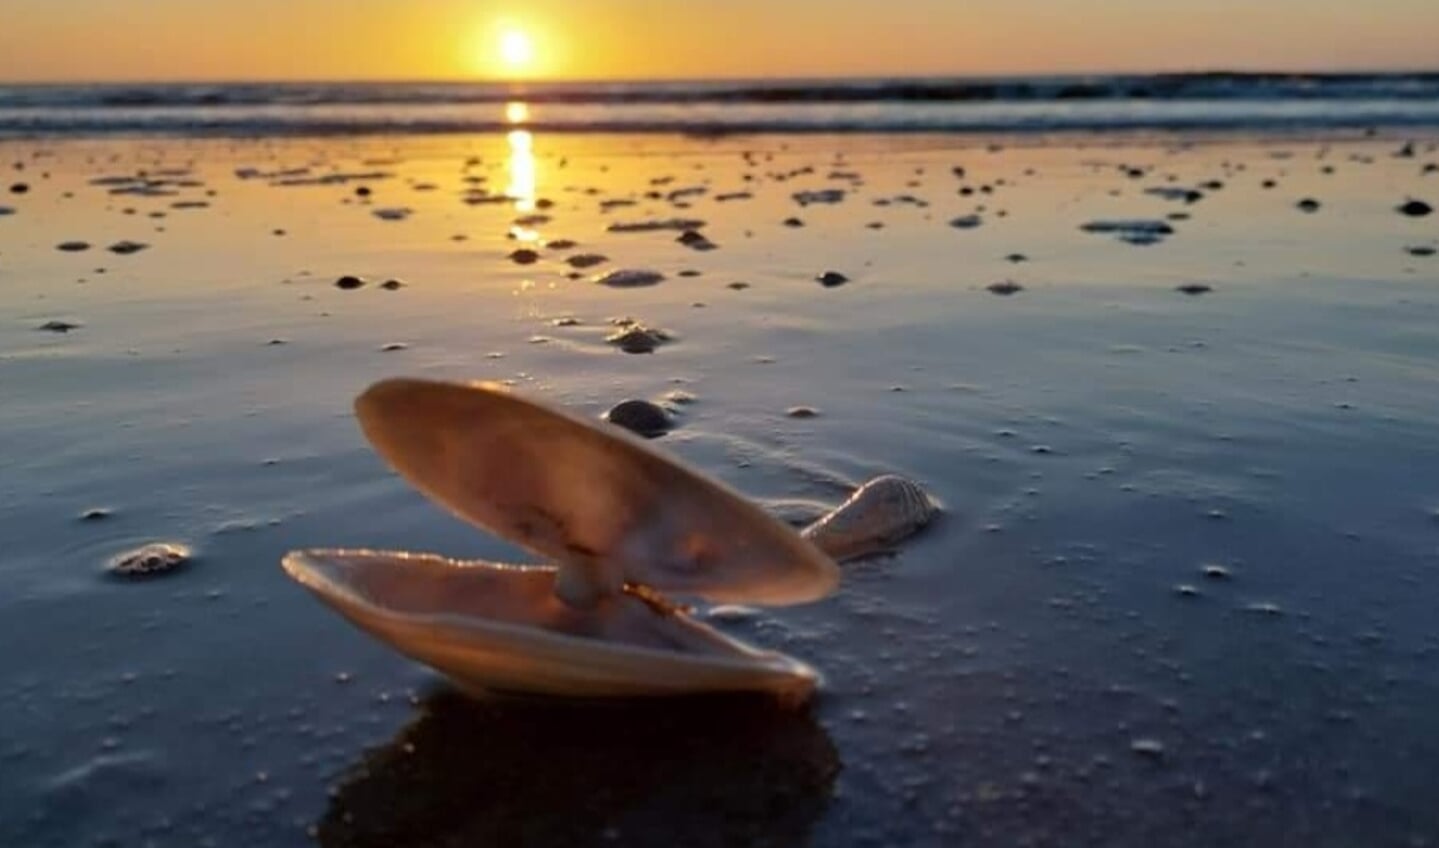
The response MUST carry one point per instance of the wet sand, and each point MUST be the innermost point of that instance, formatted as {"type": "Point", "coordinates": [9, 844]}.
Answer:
{"type": "Point", "coordinates": [1182, 592]}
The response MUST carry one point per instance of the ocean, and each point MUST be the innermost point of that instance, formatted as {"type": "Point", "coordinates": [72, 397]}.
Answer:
{"type": "Point", "coordinates": [1163, 102]}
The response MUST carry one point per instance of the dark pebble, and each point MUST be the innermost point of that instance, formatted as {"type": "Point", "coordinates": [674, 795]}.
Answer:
{"type": "Point", "coordinates": [830, 279]}
{"type": "Point", "coordinates": [1195, 288]}
{"type": "Point", "coordinates": [1308, 204]}
{"type": "Point", "coordinates": [525, 256]}
{"type": "Point", "coordinates": [349, 283]}
{"type": "Point", "coordinates": [1415, 208]}
{"type": "Point", "coordinates": [392, 285]}
{"type": "Point", "coordinates": [72, 246]}
{"type": "Point", "coordinates": [802, 412]}
{"type": "Point", "coordinates": [19, 188]}
{"type": "Point", "coordinates": [1005, 287]}
{"type": "Point", "coordinates": [125, 248]}
{"type": "Point", "coordinates": [59, 326]}
{"type": "Point", "coordinates": [640, 416]}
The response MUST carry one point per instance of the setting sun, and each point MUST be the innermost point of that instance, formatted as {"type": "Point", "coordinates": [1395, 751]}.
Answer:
{"type": "Point", "coordinates": [517, 49]}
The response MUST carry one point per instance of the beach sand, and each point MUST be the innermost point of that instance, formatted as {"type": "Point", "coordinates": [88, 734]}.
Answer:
{"type": "Point", "coordinates": [1183, 591]}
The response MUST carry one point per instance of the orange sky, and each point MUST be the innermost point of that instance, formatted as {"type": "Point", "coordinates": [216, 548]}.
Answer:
{"type": "Point", "coordinates": [449, 39]}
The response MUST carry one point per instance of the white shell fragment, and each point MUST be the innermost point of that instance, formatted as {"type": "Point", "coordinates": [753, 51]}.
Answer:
{"type": "Point", "coordinates": [157, 558]}
{"type": "Point", "coordinates": [879, 514]}
{"type": "Point", "coordinates": [492, 627]}
{"type": "Point", "coordinates": [596, 501]}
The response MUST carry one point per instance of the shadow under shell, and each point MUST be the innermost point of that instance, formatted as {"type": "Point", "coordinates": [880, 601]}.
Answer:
{"type": "Point", "coordinates": [706, 771]}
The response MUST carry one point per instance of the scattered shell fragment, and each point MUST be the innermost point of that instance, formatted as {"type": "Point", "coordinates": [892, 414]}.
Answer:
{"type": "Point", "coordinates": [157, 558]}
{"type": "Point", "coordinates": [879, 514]}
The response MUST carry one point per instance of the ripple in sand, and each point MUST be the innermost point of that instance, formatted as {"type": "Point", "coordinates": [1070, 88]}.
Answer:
{"type": "Point", "coordinates": [641, 417]}
{"type": "Point", "coordinates": [630, 278]}
{"type": "Point", "coordinates": [157, 558]}
{"type": "Point", "coordinates": [125, 248]}
{"type": "Point", "coordinates": [72, 246]}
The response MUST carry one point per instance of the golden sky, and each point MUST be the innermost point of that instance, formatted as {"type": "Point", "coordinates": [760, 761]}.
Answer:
{"type": "Point", "coordinates": [449, 39]}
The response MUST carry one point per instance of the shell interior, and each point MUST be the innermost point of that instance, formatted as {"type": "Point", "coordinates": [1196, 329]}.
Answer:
{"type": "Point", "coordinates": [593, 499]}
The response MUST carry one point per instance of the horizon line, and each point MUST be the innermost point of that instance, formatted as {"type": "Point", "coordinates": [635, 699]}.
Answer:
{"type": "Point", "coordinates": [900, 77]}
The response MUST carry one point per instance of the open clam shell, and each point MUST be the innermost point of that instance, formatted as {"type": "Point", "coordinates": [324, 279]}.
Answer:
{"type": "Point", "coordinates": [491, 627]}
{"type": "Point", "coordinates": [604, 507]}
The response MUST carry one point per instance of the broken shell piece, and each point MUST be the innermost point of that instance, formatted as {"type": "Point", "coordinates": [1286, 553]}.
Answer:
{"type": "Point", "coordinates": [880, 513]}
{"type": "Point", "coordinates": [491, 627]}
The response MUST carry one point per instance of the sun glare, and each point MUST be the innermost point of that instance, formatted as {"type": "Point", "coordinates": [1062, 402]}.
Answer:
{"type": "Point", "coordinates": [517, 49]}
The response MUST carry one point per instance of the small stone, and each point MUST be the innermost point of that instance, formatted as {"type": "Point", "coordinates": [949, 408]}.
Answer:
{"type": "Point", "coordinates": [586, 260]}
{"type": "Point", "coordinates": [1308, 204]}
{"type": "Point", "coordinates": [561, 244]}
{"type": "Point", "coordinates": [793, 223]}
{"type": "Point", "coordinates": [395, 213]}
{"type": "Point", "coordinates": [641, 417]}
{"type": "Point", "coordinates": [966, 222]}
{"type": "Point", "coordinates": [393, 347]}
{"type": "Point", "coordinates": [1216, 572]}
{"type": "Point", "coordinates": [637, 338]}
{"type": "Point", "coordinates": [695, 240]}
{"type": "Point", "coordinates": [1420, 250]}
{"type": "Point", "coordinates": [96, 514]}
{"type": "Point", "coordinates": [72, 246]}
{"type": "Point", "coordinates": [525, 256]}
{"type": "Point", "coordinates": [58, 326]}
{"type": "Point", "coordinates": [1005, 287]}
{"type": "Point", "coordinates": [125, 248]}
{"type": "Point", "coordinates": [738, 285]}
{"type": "Point", "coordinates": [831, 279]}
{"type": "Point", "coordinates": [1194, 288]}
{"type": "Point", "coordinates": [1016, 258]}
{"type": "Point", "coordinates": [1151, 748]}
{"type": "Point", "coordinates": [349, 283]}
{"type": "Point", "coordinates": [1415, 208]}
{"type": "Point", "coordinates": [567, 321]}
{"type": "Point", "coordinates": [19, 188]}
{"type": "Point", "coordinates": [802, 412]}
{"type": "Point", "coordinates": [630, 278]}
{"type": "Point", "coordinates": [1184, 590]}
{"type": "Point", "coordinates": [157, 558]}
{"type": "Point", "coordinates": [392, 285]}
